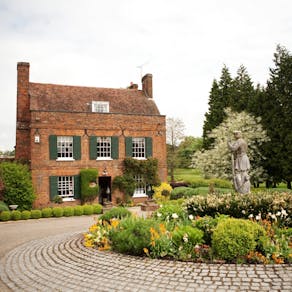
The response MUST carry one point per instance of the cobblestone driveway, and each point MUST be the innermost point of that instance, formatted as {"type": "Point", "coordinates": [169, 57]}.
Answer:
{"type": "Point", "coordinates": [61, 263]}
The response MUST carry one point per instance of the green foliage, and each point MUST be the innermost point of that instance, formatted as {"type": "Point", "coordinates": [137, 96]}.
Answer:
{"type": "Point", "coordinates": [273, 206]}
{"type": "Point", "coordinates": [58, 200]}
{"type": "Point", "coordinates": [15, 215]}
{"type": "Point", "coordinates": [116, 212]}
{"type": "Point", "coordinates": [125, 183]}
{"type": "Point", "coordinates": [3, 207]}
{"type": "Point", "coordinates": [25, 215]}
{"type": "Point", "coordinates": [18, 187]}
{"type": "Point", "coordinates": [68, 211]}
{"type": "Point", "coordinates": [89, 187]}
{"type": "Point", "coordinates": [87, 210]}
{"type": "Point", "coordinates": [58, 211]}
{"type": "Point", "coordinates": [5, 216]}
{"type": "Point", "coordinates": [78, 210]}
{"type": "Point", "coordinates": [131, 236]}
{"type": "Point", "coordinates": [97, 208]}
{"type": "Point", "coordinates": [235, 238]}
{"type": "Point", "coordinates": [47, 212]}
{"type": "Point", "coordinates": [36, 214]}
{"type": "Point", "coordinates": [182, 192]}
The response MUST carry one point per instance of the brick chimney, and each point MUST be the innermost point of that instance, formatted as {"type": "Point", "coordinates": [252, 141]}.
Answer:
{"type": "Point", "coordinates": [22, 149]}
{"type": "Point", "coordinates": [147, 85]}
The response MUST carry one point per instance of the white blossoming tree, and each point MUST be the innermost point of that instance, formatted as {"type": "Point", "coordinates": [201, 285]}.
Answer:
{"type": "Point", "coordinates": [216, 162]}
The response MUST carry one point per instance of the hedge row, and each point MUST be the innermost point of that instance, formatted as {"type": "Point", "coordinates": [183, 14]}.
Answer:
{"type": "Point", "coordinates": [51, 212]}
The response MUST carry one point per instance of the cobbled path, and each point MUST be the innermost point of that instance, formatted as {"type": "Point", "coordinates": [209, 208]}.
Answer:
{"type": "Point", "coordinates": [62, 263]}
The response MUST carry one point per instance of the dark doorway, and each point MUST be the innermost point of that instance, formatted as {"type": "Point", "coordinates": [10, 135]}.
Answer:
{"type": "Point", "coordinates": [105, 192]}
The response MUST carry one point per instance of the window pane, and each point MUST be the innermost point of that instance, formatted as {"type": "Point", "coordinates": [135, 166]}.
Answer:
{"type": "Point", "coordinates": [140, 185]}
{"type": "Point", "coordinates": [138, 147]}
{"type": "Point", "coordinates": [103, 147]}
{"type": "Point", "coordinates": [100, 106]}
{"type": "Point", "coordinates": [65, 147]}
{"type": "Point", "coordinates": [66, 186]}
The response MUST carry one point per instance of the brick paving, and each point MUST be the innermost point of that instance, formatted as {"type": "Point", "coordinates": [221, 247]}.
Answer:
{"type": "Point", "coordinates": [62, 263]}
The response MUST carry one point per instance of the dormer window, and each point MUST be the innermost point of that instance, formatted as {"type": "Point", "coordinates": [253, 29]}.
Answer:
{"type": "Point", "coordinates": [100, 106]}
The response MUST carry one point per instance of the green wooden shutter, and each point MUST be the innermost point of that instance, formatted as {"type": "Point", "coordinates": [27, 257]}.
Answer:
{"type": "Point", "coordinates": [77, 188]}
{"type": "Point", "coordinates": [92, 148]}
{"type": "Point", "coordinates": [77, 147]}
{"type": "Point", "coordinates": [115, 147]}
{"type": "Point", "coordinates": [129, 146]}
{"type": "Point", "coordinates": [53, 187]}
{"type": "Point", "coordinates": [53, 147]}
{"type": "Point", "coordinates": [149, 146]}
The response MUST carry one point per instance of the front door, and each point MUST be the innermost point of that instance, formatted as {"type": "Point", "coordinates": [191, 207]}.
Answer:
{"type": "Point", "coordinates": [105, 192]}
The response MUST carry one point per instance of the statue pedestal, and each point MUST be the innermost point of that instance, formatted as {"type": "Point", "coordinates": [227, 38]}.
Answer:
{"type": "Point", "coordinates": [149, 205]}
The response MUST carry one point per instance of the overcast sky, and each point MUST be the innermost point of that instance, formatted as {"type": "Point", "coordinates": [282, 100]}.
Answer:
{"type": "Point", "coordinates": [183, 43]}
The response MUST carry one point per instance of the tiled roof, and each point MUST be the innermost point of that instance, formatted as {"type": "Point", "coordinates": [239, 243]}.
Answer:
{"type": "Point", "coordinates": [52, 97]}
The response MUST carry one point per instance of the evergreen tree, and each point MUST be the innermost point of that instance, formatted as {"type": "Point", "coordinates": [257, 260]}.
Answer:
{"type": "Point", "coordinates": [277, 117]}
{"type": "Point", "coordinates": [219, 99]}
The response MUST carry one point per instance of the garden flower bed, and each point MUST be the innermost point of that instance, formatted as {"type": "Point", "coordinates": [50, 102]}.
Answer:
{"type": "Point", "coordinates": [177, 231]}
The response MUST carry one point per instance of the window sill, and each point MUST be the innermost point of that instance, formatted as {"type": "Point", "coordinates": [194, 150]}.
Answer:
{"type": "Point", "coordinates": [65, 159]}
{"type": "Point", "coordinates": [140, 158]}
{"type": "Point", "coordinates": [103, 158]}
{"type": "Point", "coordinates": [140, 196]}
{"type": "Point", "coordinates": [68, 199]}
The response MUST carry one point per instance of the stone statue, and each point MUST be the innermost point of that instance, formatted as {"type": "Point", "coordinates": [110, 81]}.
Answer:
{"type": "Point", "coordinates": [240, 164]}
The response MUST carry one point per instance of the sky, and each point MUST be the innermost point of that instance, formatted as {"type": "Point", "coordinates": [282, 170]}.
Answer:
{"type": "Point", "coordinates": [183, 43]}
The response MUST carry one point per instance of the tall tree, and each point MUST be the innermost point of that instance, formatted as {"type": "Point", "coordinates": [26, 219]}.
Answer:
{"type": "Point", "coordinates": [174, 134]}
{"type": "Point", "coordinates": [219, 99]}
{"type": "Point", "coordinates": [277, 117]}
{"type": "Point", "coordinates": [243, 91]}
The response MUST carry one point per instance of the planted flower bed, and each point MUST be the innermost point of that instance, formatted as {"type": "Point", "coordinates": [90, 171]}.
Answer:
{"type": "Point", "coordinates": [177, 232]}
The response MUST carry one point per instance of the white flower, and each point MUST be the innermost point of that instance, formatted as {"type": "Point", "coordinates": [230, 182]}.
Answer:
{"type": "Point", "coordinates": [284, 213]}
{"type": "Point", "coordinates": [159, 214]}
{"type": "Point", "coordinates": [243, 211]}
{"type": "Point", "coordinates": [278, 213]}
{"type": "Point", "coordinates": [185, 237]}
{"type": "Point", "coordinates": [250, 216]}
{"type": "Point", "coordinates": [258, 217]}
{"type": "Point", "coordinates": [273, 216]}
{"type": "Point", "coordinates": [174, 216]}
{"type": "Point", "coordinates": [191, 217]}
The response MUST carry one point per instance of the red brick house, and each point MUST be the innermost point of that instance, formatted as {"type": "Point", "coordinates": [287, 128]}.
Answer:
{"type": "Point", "coordinates": [62, 129]}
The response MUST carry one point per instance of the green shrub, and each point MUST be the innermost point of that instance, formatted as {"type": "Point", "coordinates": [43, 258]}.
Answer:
{"type": "Point", "coordinates": [116, 212]}
{"type": "Point", "coordinates": [15, 215]}
{"type": "Point", "coordinates": [125, 183]}
{"type": "Point", "coordinates": [97, 208]}
{"type": "Point", "coordinates": [47, 212]}
{"type": "Point", "coordinates": [78, 210]}
{"type": "Point", "coordinates": [36, 214]}
{"type": "Point", "coordinates": [58, 212]}
{"type": "Point", "coordinates": [235, 238]}
{"type": "Point", "coordinates": [18, 189]}
{"type": "Point", "coordinates": [182, 192]}
{"type": "Point", "coordinates": [68, 211]}
{"type": "Point", "coordinates": [170, 213]}
{"type": "Point", "coordinates": [3, 207]}
{"type": "Point", "coordinates": [25, 215]}
{"type": "Point", "coordinates": [89, 187]}
{"type": "Point", "coordinates": [87, 209]}
{"type": "Point", "coordinates": [131, 236]}
{"type": "Point", "coordinates": [5, 216]}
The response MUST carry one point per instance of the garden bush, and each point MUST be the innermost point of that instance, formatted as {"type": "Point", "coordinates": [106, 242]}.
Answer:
{"type": "Point", "coordinates": [170, 213]}
{"type": "Point", "coordinates": [97, 208]}
{"type": "Point", "coordinates": [15, 215]}
{"type": "Point", "coordinates": [58, 212]}
{"type": "Point", "coordinates": [18, 189]}
{"type": "Point", "coordinates": [68, 211]}
{"type": "Point", "coordinates": [116, 212]}
{"type": "Point", "coordinates": [234, 238]}
{"type": "Point", "coordinates": [25, 215]}
{"type": "Point", "coordinates": [162, 192]}
{"type": "Point", "coordinates": [36, 214]}
{"type": "Point", "coordinates": [89, 187]}
{"type": "Point", "coordinates": [182, 192]}
{"type": "Point", "coordinates": [47, 212]}
{"type": "Point", "coordinates": [131, 236]}
{"type": "Point", "coordinates": [87, 210]}
{"type": "Point", "coordinates": [78, 210]}
{"type": "Point", "coordinates": [3, 207]}
{"type": "Point", "coordinates": [5, 215]}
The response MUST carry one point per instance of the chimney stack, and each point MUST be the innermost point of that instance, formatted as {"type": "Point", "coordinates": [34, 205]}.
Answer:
{"type": "Point", "coordinates": [147, 85]}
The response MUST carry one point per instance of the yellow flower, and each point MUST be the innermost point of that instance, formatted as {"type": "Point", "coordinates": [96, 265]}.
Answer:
{"type": "Point", "coordinates": [145, 249]}
{"type": "Point", "coordinates": [114, 222]}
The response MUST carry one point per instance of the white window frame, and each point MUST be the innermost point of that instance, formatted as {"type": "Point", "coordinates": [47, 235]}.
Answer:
{"type": "Point", "coordinates": [100, 106]}
{"type": "Point", "coordinates": [138, 148]}
{"type": "Point", "coordinates": [103, 151]}
{"type": "Point", "coordinates": [65, 149]}
{"type": "Point", "coordinates": [140, 191]}
{"type": "Point", "coordinates": [66, 188]}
